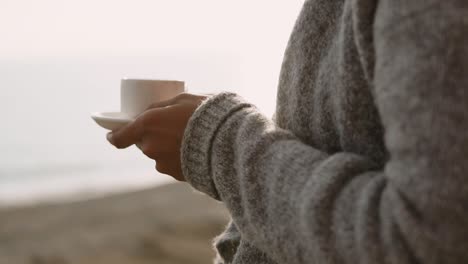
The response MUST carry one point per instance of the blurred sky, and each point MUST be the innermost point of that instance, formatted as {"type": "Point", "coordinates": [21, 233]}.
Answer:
{"type": "Point", "coordinates": [247, 35]}
{"type": "Point", "coordinates": [143, 27]}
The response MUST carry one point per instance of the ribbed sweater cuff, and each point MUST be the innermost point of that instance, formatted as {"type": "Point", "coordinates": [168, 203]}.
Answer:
{"type": "Point", "coordinates": [199, 135]}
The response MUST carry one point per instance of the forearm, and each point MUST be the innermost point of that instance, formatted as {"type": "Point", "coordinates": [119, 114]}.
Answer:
{"type": "Point", "coordinates": [298, 204]}
{"type": "Point", "coordinates": [273, 184]}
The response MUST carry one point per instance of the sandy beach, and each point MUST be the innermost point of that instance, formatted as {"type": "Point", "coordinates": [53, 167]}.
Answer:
{"type": "Point", "coordinates": [167, 225]}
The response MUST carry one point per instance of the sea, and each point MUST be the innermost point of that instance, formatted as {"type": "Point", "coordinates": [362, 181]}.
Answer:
{"type": "Point", "coordinates": [51, 150]}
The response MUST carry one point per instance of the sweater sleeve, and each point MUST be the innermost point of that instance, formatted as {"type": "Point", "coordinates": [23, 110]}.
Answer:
{"type": "Point", "coordinates": [300, 205]}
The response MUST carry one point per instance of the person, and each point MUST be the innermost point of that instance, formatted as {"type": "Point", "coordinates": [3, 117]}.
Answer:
{"type": "Point", "coordinates": [367, 159]}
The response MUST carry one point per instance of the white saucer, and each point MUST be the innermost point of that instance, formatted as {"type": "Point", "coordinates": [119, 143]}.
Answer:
{"type": "Point", "coordinates": [111, 120]}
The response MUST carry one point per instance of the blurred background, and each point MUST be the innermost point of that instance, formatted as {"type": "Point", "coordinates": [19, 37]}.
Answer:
{"type": "Point", "coordinates": [66, 195]}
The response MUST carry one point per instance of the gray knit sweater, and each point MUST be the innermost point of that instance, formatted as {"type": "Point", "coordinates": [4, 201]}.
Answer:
{"type": "Point", "coordinates": [367, 161]}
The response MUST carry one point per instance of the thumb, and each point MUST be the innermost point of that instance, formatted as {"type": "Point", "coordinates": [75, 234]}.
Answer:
{"type": "Point", "coordinates": [127, 135]}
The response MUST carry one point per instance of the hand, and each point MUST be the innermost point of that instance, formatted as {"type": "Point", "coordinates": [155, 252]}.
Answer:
{"type": "Point", "coordinates": [159, 131]}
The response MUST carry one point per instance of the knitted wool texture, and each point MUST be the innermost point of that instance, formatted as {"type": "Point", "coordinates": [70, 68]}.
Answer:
{"type": "Point", "coordinates": [367, 161]}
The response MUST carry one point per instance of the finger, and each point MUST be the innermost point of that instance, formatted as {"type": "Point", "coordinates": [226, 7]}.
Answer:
{"type": "Point", "coordinates": [159, 118]}
{"type": "Point", "coordinates": [127, 135]}
{"type": "Point", "coordinates": [167, 102]}
{"type": "Point", "coordinates": [158, 146]}
{"type": "Point", "coordinates": [133, 132]}
{"type": "Point", "coordinates": [165, 166]}
{"type": "Point", "coordinates": [162, 167]}
{"type": "Point", "coordinates": [170, 167]}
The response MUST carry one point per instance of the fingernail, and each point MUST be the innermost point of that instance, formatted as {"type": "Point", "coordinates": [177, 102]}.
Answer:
{"type": "Point", "coordinates": [109, 137]}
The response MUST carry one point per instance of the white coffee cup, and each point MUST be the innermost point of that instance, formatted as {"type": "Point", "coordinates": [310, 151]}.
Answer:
{"type": "Point", "coordinates": [136, 95]}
